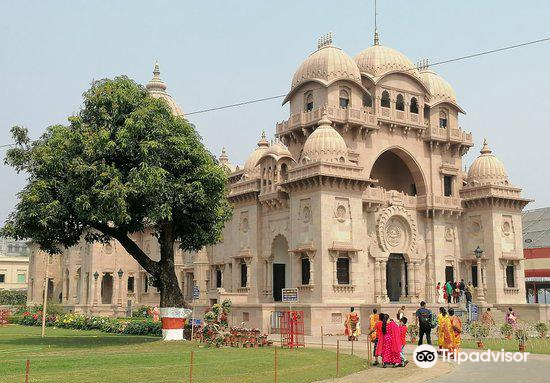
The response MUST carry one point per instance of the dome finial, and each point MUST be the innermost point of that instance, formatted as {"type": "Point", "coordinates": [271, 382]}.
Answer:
{"type": "Point", "coordinates": [263, 141]}
{"type": "Point", "coordinates": [324, 121]}
{"type": "Point", "coordinates": [485, 149]}
{"type": "Point", "coordinates": [156, 70]}
{"type": "Point", "coordinates": [376, 36]}
{"type": "Point", "coordinates": [223, 157]}
{"type": "Point", "coordinates": [324, 40]}
{"type": "Point", "coordinates": [156, 84]}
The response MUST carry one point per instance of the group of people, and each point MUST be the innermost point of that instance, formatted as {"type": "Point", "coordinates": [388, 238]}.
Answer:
{"type": "Point", "coordinates": [454, 292]}
{"type": "Point", "coordinates": [449, 328]}
{"type": "Point", "coordinates": [389, 338]}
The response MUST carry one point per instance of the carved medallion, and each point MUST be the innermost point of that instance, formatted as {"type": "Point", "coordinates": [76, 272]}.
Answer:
{"type": "Point", "coordinates": [341, 213]}
{"type": "Point", "coordinates": [506, 228]}
{"type": "Point", "coordinates": [393, 235]}
{"type": "Point", "coordinates": [306, 214]}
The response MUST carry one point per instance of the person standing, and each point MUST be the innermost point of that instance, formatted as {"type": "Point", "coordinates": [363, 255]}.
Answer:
{"type": "Point", "coordinates": [389, 343]}
{"type": "Point", "coordinates": [440, 327]}
{"type": "Point", "coordinates": [449, 291]}
{"type": "Point", "coordinates": [378, 332]}
{"type": "Point", "coordinates": [439, 293]}
{"type": "Point", "coordinates": [374, 319]}
{"type": "Point", "coordinates": [401, 313]}
{"type": "Point", "coordinates": [456, 327]}
{"type": "Point", "coordinates": [487, 318]}
{"type": "Point", "coordinates": [424, 323]}
{"type": "Point", "coordinates": [352, 325]}
{"type": "Point", "coordinates": [456, 292]}
{"type": "Point", "coordinates": [403, 333]}
{"type": "Point", "coordinates": [511, 318]}
{"type": "Point", "coordinates": [462, 289]}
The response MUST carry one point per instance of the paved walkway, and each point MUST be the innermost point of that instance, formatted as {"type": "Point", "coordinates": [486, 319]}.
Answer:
{"type": "Point", "coordinates": [536, 369]}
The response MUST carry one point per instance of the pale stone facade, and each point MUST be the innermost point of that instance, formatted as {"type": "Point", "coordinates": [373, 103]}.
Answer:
{"type": "Point", "coordinates": [14, 264]}
{"type": "Point", "coordinates": [361, 201]}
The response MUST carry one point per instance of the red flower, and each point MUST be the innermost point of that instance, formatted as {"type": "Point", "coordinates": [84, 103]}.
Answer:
{"type": "Point", "coordinates": [35, 316]}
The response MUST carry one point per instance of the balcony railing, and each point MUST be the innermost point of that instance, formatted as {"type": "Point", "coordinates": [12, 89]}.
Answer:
{"type": "Point", "coordinates": [448, 134]}
{"type": "Point", "coordinates": [379, 195]}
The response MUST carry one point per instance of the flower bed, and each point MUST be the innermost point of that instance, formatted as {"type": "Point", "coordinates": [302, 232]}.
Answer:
{"type": "Point", "coordinates": [32, 316]}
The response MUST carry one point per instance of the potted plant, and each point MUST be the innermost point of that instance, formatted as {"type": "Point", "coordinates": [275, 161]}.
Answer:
{"type": "Point", "coordinates": [479, 332]}
{"type": "Point", "coordinates": [412, 331]}
{"type": "Point", "coordinates": [521, 337]}
{"type": "Point", "coordinates": [541, 328]}
{"type": "Point", "coordinates": [507, 330]}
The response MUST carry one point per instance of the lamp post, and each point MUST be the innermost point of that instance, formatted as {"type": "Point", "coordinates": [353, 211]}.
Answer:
{"type": "Point", "coordinates": [480, 294]}
{"type": "Point", "coordinates": [120, 274]}
{"type": "Point", "coordinates": [96, 276]}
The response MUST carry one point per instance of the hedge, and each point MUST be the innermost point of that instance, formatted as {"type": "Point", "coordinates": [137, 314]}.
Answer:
{"type": "Point", "coordinates": [33, 317]}
{"type": "Point", "coordinates": [13, 297]}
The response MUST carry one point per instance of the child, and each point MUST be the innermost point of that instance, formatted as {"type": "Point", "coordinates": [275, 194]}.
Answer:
{"type": "Point", "coordinates": [403, 329]}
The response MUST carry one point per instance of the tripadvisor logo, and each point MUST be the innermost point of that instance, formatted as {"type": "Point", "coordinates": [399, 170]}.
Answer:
{"type": "Point", "coordinates": [425, 356]}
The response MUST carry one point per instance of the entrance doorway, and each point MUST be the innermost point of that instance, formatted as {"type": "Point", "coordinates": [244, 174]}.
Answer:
{"type": "Point", "coordinates": [107, 288]}
{"type": "Point", "coordinates": [396, 277]}
{"type": "Point", "coordinates": [449, 274]}
{"type": "Point", "coordinates": [278, 281]}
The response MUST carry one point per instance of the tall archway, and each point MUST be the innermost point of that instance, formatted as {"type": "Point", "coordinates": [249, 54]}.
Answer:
{"type": "Point", "coordinates": [395, 169]}
{"type": "Point", "coordinates": [281, 266]}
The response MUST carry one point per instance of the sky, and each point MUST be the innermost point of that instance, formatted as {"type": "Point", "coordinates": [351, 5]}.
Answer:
{"type": "Point", "coordinates": [214, 53]}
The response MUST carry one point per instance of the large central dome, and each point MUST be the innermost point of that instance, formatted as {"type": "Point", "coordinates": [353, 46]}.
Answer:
{"type": "Point", "coordinates": [379, 60]}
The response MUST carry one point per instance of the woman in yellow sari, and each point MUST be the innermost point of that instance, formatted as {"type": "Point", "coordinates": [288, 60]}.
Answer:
{"type": "Point", "coordinates": [440, 334]}
{"type": "Point", "coordinates": [445, 334]}
{"type": "Point", "coordinates": [456, 329]}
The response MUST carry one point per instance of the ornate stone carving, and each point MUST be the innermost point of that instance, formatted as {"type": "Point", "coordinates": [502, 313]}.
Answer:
{"type": "Point", "coordinates": [506, 228]}
{"type": "Point", "coordinates": [449, 233]}
{"type": "Point", "coordinates": [341, 213]}
{"type": "Point", "coordinates": [306, 214]}
{"type": "Point", "coordinates": [397, 230]}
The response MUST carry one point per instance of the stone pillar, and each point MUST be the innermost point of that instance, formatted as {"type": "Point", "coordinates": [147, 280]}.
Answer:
{"type": "Point", "coordinates": [119, 295]}
{"type": "Point", "coordinates": [269, 276]}
{"type": "Point", "coordinates": [377, 287]}
{"type": "Point", "coordinates": [311, 258]}
{"type": "Point", "coordinates": [410, 279]}
{"type": "Point", "coordinates": [383, 287]}
{"type": "Point", "coordinates": [416, 266]}
{"type": "Point", "coordinates": [248, 261]}
{"type": "Point", "coordinates": [480, 292]}
{"type": "Point", "coordinates": [403, 280]}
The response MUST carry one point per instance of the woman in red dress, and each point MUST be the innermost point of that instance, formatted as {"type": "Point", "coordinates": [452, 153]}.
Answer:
{"type": "Point", "coordinates": [389, 342]}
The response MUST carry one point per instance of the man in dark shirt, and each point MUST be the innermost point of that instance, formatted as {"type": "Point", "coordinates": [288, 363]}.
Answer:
{"type": "Point", "coordinates": [424, 322]}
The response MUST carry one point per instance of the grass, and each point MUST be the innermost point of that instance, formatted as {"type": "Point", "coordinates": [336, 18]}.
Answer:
{"type": "Point", "coordinates": [533, 345]}
{"type": "Point", "coordinates": [92, 357]}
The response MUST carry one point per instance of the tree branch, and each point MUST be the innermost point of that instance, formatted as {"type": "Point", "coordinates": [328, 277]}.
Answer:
{"type": "Point", "coordinates": [131, 247]}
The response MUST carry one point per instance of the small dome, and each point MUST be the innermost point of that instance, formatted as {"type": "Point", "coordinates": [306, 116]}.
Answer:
{"type": "Point", "coordinates": [157, 89]}
{"type": "Point", "coordinates": [325, 144]}
{"type": "Point", "coordinates": [251, 165]}
{"type": "Point", "coordinates": [440, 89]}
{"type": "Point", "coordinates": [277, 150]}
{"type": "Point", "coordinates": [327, 64]}
{"type": "Point", "coordinates": [487, 169]}
{"type": "Point", "coordinates": [224, 162]}
{"type": "Point", "coordinates": [379, 60]}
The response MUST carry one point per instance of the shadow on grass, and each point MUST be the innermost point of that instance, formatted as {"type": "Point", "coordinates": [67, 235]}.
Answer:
{"type": "Point", "coordinates": [77, 341]}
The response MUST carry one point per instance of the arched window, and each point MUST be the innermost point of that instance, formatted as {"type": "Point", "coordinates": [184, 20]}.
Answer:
{"type": "Point", "coordinates": [385, 100]}
{"type": "Point", "coordinates": [400, 102]}
{"type": "Point", "coordinates": [284, 172]}
{"type": "Point", "coordinates": [367, 100]}
{"type": "Point", "coordinates": [309, 102]}
{"type": "Point", "coordinates": [442, 119]}
{"type": "Point", "coordinates": [414, 105]}
{"type": "Point", "coordinates": [344, 98]}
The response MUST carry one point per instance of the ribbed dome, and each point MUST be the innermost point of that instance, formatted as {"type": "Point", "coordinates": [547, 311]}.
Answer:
{"type": "Point", "coordinates": [379, 60]}
{"type": "Point", "coordinates": [487, 169]}
{"type": "Point", "coordinates": [279, 149]}
{"type": "Point", "coordinates": [326, 64]}
{"type": "Point", "coordinates": [439, 88]}
{"type": "Point", "coordinates": [250, 166]}
{"type": "Point", "coordinates": [325, 144]}
{"type": "Point", "coordinates": [157, 89]}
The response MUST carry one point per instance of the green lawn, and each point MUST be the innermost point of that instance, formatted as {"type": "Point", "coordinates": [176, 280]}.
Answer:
{"type": "Point", "coordinates": [533, 345]}
{"type": "Point", "coordinates": [92, 357]}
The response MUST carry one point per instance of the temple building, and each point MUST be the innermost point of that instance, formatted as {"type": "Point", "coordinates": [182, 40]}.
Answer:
{"type": "Point", "coordinates": [360, 200]}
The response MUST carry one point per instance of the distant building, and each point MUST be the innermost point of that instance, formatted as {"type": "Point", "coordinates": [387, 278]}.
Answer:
{"type": "Point", "coordinates": [536, 249]}
{"type": "Point", "coordinates": [14, 264]}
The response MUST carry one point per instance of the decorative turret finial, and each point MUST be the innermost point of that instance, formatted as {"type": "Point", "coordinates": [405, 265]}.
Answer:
{"type": "Point", "coordinates": [223, 157]}
{"type": "Point", "coordinates": [376, 36]}
{"type": "Point", "coordinates": [423, 64]}
{"type": "Point", "coordinates": [324, 121]}
{"type": "Point", "coordinates": [156, 84]}
{"type": "Point", "coordinates": [324, 40]}
{"type": "Point", "coordinates": [263, 141]}
{"type": "Point", "coordinates": [485, 149]}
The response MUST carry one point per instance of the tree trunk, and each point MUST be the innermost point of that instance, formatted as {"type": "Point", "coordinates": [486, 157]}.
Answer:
{"type": "Point", "coordinates": [171, 298]}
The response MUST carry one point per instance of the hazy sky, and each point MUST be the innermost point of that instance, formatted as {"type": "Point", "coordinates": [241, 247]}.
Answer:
{"type": "Point", "coordinates": [214, 53]}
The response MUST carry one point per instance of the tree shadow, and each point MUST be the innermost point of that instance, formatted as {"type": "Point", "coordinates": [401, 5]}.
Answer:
{"type": "Point", "coordinates": [78, 342]}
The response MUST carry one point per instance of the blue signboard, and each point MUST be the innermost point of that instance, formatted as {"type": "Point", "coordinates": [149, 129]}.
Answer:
{"type": "Point", "coordinates": [196, 292]}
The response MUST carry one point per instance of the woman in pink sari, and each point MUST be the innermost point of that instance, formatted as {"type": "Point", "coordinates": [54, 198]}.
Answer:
{"type": "Point", "coordinates": [389, 343]}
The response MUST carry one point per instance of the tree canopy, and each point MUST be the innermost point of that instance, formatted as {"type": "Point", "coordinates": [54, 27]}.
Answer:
{"type": "Point", "coordinates": [122, 165]}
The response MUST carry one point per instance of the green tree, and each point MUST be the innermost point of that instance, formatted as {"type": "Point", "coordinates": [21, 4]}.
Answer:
{"type": "Point", "coordinates": [124, 164]}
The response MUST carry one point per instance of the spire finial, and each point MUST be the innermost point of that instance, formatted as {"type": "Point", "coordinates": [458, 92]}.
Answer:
{"type": "Point", "coordinates": [263, 141]}
{"type": "Point", "coordinates": [156, 84]}
{"type": "Point", "coordinates": [223, 157]}
{"type": "Point", "coordinates": [485, 149]}
{"type": "Point", "coordinates": [376, 36]}
{"type": "Point", "coordinates": [324, 40]}
{"type": "Point", "coordinates": [324, 121]}
{"type": "Point", "coordinates": [156, 69]}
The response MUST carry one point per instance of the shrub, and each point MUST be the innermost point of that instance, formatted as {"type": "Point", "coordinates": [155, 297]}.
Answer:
{"type": "Point", "coordinates": [542, 329]}
{"type": "Point", "coordinates": [521, 336]}
{"type": "Point", "coordinates": [13, 297]}
{"type": "Point", "coordinates": [412, 331]}
{"type": "Point", "coordinates": [506, 329]}
{"type": "Point", "coordinates": [142, 312]}
{"type": "Point", "coordinates": [479, 331]}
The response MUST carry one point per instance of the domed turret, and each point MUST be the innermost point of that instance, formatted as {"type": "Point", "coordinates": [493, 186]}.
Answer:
{"type": "Point", "coordinates": [326, 65]}
{"type": "Point", "coordinates": [440, 89]}
{"type": "Point", "coordinates": [251, 165]}
{"type": "Point", "coordinates": [379, 60]}
{"type": "Point", "coordinates": [224, 162]}
{"type": "Point", "coordinates": [157, 89]}
{"type": "Point", "coordinates": [487, 169]}
{"type": "Point", "coordinates": [277, 150]}
{"type": "Point", "coordinates": [325, 144]}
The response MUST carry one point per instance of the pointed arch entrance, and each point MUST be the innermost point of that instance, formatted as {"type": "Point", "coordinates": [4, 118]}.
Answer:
{"type": "Point", "coordinates": [281, 266]}
{"type": "Point", "coordinates": [396, 169]}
